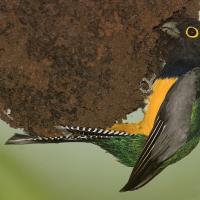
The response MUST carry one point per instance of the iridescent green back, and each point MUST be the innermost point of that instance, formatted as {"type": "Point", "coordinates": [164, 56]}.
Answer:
{"type": "Point", "coordinates": [126, 149]}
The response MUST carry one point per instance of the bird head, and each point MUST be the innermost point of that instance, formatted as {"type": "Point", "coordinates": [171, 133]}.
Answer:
{"type": "Point", "coordinates": [186, 54]}
{"type": "Point", "coordinates": [186, 30]}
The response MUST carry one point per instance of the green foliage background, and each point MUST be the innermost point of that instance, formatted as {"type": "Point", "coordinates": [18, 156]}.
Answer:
{"type": "Point", "coordinates": [84, 171]}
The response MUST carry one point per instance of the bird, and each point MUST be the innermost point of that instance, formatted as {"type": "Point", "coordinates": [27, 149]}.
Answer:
{"type": "Point", "coordinates": [170, 129]}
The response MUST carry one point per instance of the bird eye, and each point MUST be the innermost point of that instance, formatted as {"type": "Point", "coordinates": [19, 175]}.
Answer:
{"type": "Point", "coordinates": [192, 32]}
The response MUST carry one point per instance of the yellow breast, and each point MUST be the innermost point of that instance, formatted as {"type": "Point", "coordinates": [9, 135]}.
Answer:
{"type": "Point", "coordinates": [159, 91]}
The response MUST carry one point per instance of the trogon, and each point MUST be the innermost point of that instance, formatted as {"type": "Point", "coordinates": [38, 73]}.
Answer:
{"type": "Point", "coordinates": [171, 126]}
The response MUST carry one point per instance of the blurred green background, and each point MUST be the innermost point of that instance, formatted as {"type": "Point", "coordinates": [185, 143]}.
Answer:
{"type": "Point", "coordinates": [84, 171]}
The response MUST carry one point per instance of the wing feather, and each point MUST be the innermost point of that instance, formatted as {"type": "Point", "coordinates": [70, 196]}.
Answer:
{"type": "Point", "coordinates": [169, 133]}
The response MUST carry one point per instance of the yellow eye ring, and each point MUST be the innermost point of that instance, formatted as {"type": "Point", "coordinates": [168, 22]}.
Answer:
{"type": "Point", "coordinates": [192, 32]}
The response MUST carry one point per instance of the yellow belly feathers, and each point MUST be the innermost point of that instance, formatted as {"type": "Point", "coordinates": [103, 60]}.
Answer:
{"type": "Point", "coordinates": [159, 91]}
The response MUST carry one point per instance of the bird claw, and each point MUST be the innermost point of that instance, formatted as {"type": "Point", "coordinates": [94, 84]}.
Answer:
{"type": "Point", "coordinates": [148, 83]}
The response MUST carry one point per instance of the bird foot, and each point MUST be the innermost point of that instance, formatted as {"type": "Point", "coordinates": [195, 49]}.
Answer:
{"type": "Point", "coordinates": [146, 84]}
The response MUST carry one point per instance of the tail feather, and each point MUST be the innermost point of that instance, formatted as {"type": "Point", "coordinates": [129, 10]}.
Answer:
{"type": "Point", "coordinates": [70, 134]}
{"type": "Point", "coordinates": [91, 131]}
{"type": "Point", "coordinates": [28, 139]}
{"type": "Point", "coordinates": [21, 139]}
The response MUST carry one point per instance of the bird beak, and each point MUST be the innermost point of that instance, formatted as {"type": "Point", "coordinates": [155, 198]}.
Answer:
{"type": "Point", "coordinates": [171, 29]}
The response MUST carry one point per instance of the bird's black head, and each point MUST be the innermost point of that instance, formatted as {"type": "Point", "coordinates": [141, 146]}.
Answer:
{"type": "Point", "coordinates": [186, 54]}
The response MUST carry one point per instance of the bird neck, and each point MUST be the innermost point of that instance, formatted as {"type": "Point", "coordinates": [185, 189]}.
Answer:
{"type": "Point", "coordinates": [178, 65]}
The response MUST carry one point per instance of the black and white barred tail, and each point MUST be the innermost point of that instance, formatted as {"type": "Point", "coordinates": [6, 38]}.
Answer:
{"type": "Point", "coordinates": [70, 134]}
